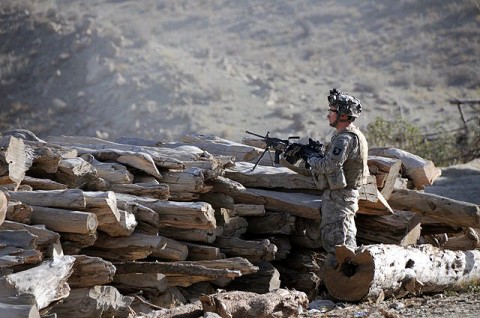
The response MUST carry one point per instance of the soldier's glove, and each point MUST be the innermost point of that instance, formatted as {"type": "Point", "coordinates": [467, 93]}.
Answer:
{"type": "Point", "coordinates": [296, 151]}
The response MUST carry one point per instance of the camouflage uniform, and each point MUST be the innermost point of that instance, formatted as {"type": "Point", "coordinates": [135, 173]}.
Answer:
{"type": "Point", "coordinates": [348, 152]}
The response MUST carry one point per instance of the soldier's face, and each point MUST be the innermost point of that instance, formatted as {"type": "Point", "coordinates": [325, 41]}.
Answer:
{"type": "Point", "coordinates": [332, 116]}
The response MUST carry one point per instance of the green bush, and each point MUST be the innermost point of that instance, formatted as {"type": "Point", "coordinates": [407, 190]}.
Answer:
{"type": "Point", "coordinates": [443, 147]}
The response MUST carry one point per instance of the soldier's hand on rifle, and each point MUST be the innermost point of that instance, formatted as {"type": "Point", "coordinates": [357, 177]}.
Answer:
{"type": "Point", "coordinates": [296, 151]}
{"type": "Point", "coordinates": [306, 153]}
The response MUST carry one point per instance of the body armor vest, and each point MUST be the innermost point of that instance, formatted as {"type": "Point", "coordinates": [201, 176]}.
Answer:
{"type": "Point", "coordinates": [356, 168]}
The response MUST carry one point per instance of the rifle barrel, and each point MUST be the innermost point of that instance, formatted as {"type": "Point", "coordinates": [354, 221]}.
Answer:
{"type": "Point", "coordinates": [251, 133]}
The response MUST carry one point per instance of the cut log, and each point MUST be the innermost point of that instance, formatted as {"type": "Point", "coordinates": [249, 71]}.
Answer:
{"type": "Point", "coordinates": [219, 146]}
{"type": "Point", "coordinates": [198, 252]}
{"type": "Point", "coordinates": [98, 301]}
{"type": "Point", "coordinates": [75, 172]}
{"type": "Point", "coordinates": [268, 177]}
{"type": "Point", "coordinates": [249, 209]}
{"type": "Point", "coordinates": [302, 270]}
{"type": "Point", "coordinates": [308, 282]}
{"type": "Point", "coordinates": [298, 204]}
{"type": "Point", "coordinates": [271, 223]}
{"type": "Point", "coordinates": [15, 159]}
{"type": "Point", "coordinates": [3, 206]}
{"type": "Point", "coordinates": [449, 211]}
{"type": "Point", "coordinates": [146, 218]}
{"type": "Point", "coordinates": [283, 244]}
{"type": "Point", "coordinates": [50, 277]}
{"type": "Point", "coordinates": [18, 247]}
{"type": "Point", "coordinates": [60, 220]}
{"type": "Point", "coordinates": [422, 172]}
{"type": "Point", "coordinates": [469, 240]}
{"type": "Point", "coordinates": [159, 191]}
{"type": "Point", "coordinates": [307, 233]}
{"type": "Point", "coordinates": [163, 157]}
{"type": "Point", "coordinates": [187, 273]}
{"type": "Point", "coordinates": [182, 215]}
{"type": "Point", "coordinates": [189, 180]}
{"type": "Point", "coordinates": [113, 172]}
{"type": "Point", "coordinates": [13, 305]}
{"type": "Point", "coordinates": [391, 170]}
{"type": "Point", "coordinates": [193, 310]}
{"type": "Point", "coordinates": [43, 184]}
{"type": "Point", "coordinates": [78, 240]}
{"type": "Point", "coordinates": [131, 248]}
{"type": "Point", "coordinates": [211, 168]}
{"type": "Point", "coordinates": [45, 242]}
{"type": "Point", "coordinates": [265, 280]}
{"type": "Point", "coordinates": [380, 207]}
{"type": "Point", "coordinates": [192, 235]}
{"type": "Point", "coordinates": [124, 227]}
{"type": "Point", "coordinates": [70, 199]}
{"type": "Point", "coordinates": [104, 206]}
{"type": "Point", "coordinates": [278, 303]}
{"type": "Point", "coordinates": [394, 271]}
{"type": "Point", "coordinates": [218, 200]}
{"type": "Point", "coordinates": [388, 229]}
{"type": "Point", "coordinates": [171, 251]}
{"type": "Point", "coordinates": [19, 212]}
{"type": "Point", "coordinates": [147, 283]}
{"type": "Point", "coordinates": [226, 186]}
{"type": "Point", "coordinates": [261, 250]}
{"type": "Point", "coordinates": [89, 271]}
{"type": "Point", "coordinates": [232, 226]}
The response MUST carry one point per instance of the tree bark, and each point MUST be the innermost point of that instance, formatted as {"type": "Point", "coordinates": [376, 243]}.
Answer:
{"type": "Point", "coordinates": [60, 220]}
{"type": "Point", "coordinates": [50, 277]}
{"type": "Point", "coordinates": [268, 177]}
{"type": "Point", "coordinates": [43, 184]}
{"type": "Point", "coordinates": [75, 172]}
{"type": "Point", "coordinates": [219, 146]}
{"type": "Point", "coordinates": [159, 191]}
{"type": "Point", "coordinates": [19, 212]}
{"type": "Point", "coordinates": [182, 215]}
{"type": "Point", "coordinates": [97, 301]}
{"type": "Point", "coordinates": [163, 157]}
{"type": "Point", "coordinates": [391, 169]}
{"type": "Point", "coordinates": [297, 204]}
{"type": "Point", "coordinates": [278, 303]}
{"type": "Point", "coordinates": [70, 199]}
{"type": "Point", "coordinates": [130, 248]}
{"type": "Point", "coordinates": [261, 250]}
{"type": "Point", "coordinates": [422, 172]}
{"type": "Point", "coordinates": [374, 271]}
{"type": "Point", "coordinates": [89, 271]}
{"type": "Point", "coordinates": [439, 208]}
{"type": "Point", "coordinates": [198, 252]}
{"type": "Point", "coordinates": [15, 159]}
{"type": "Point", "coordinates": [187, 273]}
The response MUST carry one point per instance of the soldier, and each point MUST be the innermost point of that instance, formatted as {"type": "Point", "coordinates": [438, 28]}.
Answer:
{"type": "Point", "coordinates": [344, 166]}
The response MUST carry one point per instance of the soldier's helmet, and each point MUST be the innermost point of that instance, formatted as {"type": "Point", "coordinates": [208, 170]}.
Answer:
{"type": "Point", "coordinates": [344, 103]}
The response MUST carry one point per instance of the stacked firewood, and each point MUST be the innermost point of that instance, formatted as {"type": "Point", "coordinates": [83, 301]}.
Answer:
{"type": "Point", "coordinates": [90, 227]}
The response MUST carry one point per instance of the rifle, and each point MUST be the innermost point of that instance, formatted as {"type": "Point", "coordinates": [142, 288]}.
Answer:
{"type": "Point", "coordinates": [279, 145]}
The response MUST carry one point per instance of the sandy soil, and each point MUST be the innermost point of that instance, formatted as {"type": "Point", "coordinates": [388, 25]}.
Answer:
{"type": "Point", "coordinates": [164, 69]}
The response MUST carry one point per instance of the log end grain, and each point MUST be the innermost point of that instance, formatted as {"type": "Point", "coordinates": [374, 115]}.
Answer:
{"type": "Point", "coordinates": [350, 278]}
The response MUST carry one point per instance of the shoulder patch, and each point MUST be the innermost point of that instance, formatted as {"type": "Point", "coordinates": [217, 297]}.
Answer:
{"type": "Point", "coordinates": [337, 151]}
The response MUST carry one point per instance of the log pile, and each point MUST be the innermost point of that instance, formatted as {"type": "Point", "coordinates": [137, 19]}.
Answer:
{"type": "Point", "coordinates": [132, 228]}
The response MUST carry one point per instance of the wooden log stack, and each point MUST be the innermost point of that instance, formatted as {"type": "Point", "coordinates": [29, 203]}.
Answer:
{"type": "Point", "coordinates": [139, 228]}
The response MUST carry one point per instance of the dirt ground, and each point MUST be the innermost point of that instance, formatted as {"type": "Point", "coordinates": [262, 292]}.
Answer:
{"type": "Point", "coordinates": [162, 69]}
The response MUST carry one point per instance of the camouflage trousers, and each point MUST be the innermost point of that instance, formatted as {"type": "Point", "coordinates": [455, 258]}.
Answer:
{"type": "Point", "coordinates": [338, 218]}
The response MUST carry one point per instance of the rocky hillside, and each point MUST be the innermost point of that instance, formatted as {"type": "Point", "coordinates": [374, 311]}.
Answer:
{"type": "Point", "coordinates": [160, 69]}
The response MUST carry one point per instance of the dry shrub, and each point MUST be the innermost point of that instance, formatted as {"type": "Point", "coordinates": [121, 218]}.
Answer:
{"type": "Point", "coordinates": [464, 76]}
{"type": "Point", "coordinates": [443, 147]}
